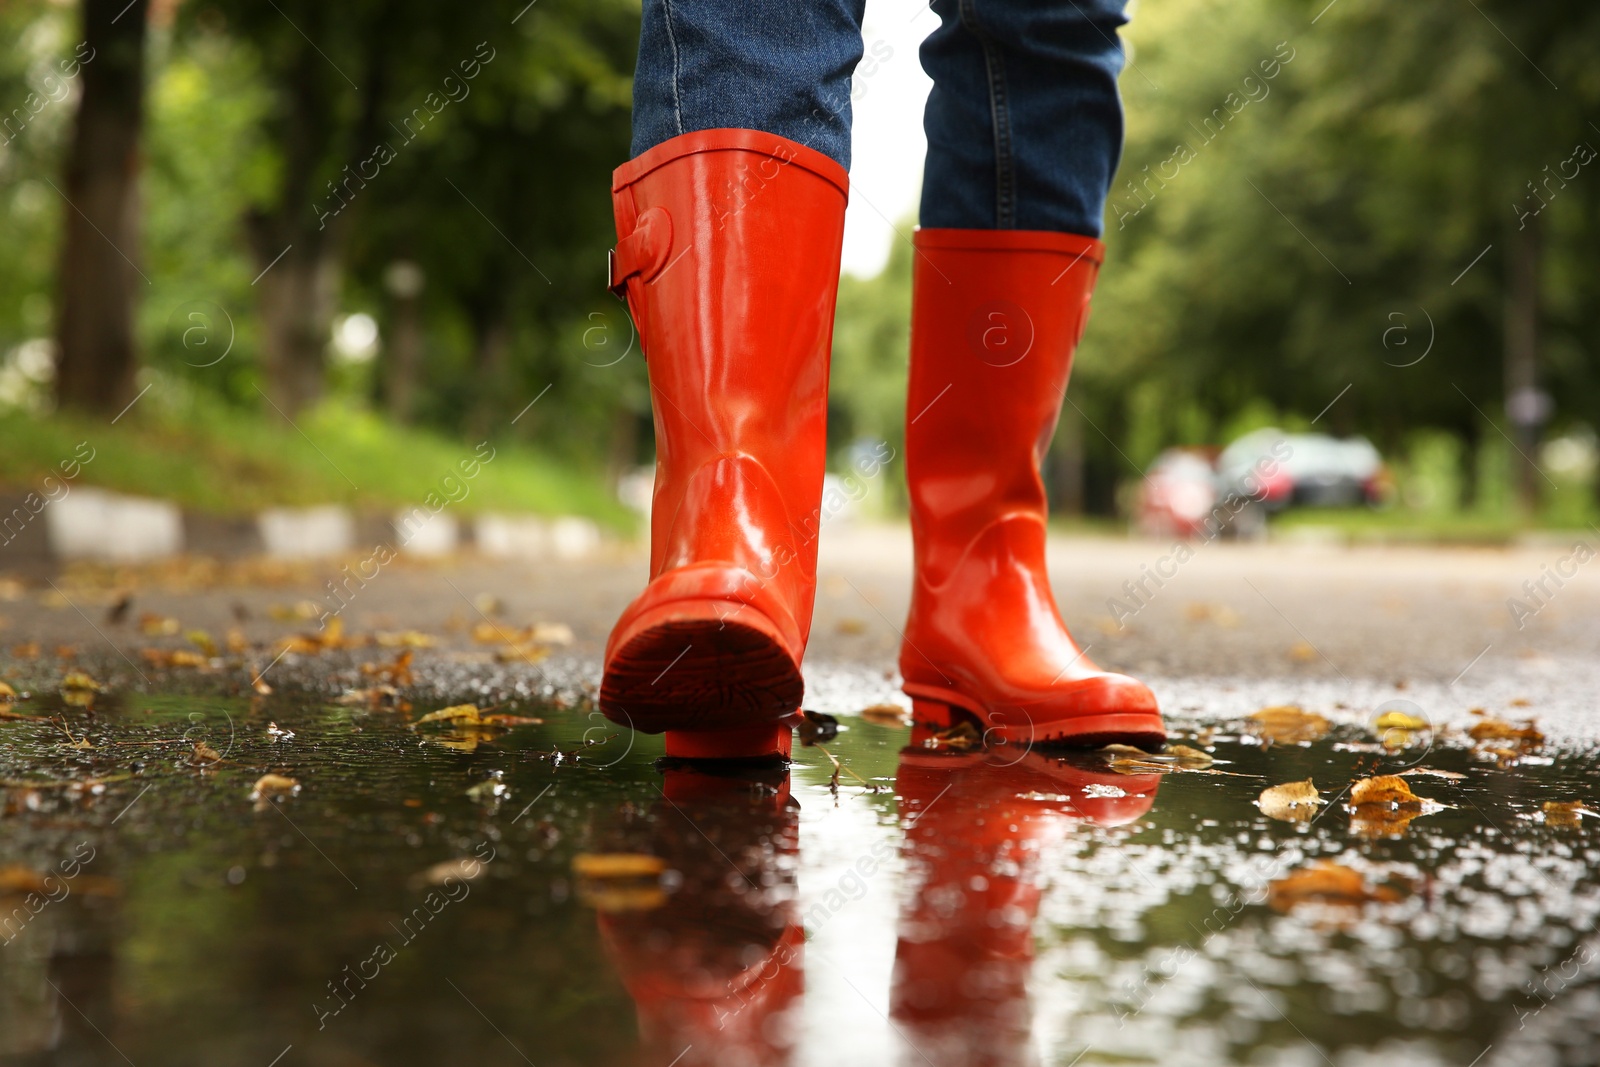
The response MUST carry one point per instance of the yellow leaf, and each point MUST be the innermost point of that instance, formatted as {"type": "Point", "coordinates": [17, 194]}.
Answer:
{"type": "Point", "coordinates": [1288, 724]}
{"type": "Point", "coordinates": [1565, 814]}
{"type": "Point", "coordinates": [1292, 802]}
{"type": "Point", "coordinates": [78, 680]}
{"type": "Point", "coordinates": [617, 865]}
{"type": "Point", "coordinates": [7, 694]}
{"type": "Point", "coordinates": [202, 640]}
{"type": "Point", "coordinates": [1398, 720]}
{"type": "Point", "coordinates": [457, 713]}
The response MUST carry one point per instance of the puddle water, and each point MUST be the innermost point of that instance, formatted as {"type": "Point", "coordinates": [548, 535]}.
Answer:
{"type": "Point", "coordinates": [416, 901]}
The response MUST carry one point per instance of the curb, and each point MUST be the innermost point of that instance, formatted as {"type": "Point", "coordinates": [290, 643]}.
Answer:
{"type": "Point", "coordinates": [93, 524]}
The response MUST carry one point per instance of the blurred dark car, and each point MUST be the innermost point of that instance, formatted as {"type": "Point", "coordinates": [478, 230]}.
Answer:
{"type": "Point", "coordinates": [1305, 469]}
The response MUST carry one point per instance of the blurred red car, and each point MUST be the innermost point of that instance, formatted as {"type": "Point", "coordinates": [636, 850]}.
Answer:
{"type": "Point", "coordinates": [1177, 495]}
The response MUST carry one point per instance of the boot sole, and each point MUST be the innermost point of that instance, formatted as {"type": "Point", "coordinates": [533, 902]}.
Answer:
{"type": "Point", "coordinates": [944, 708]}
{"type": "Point", "coordinates": [718, 685]}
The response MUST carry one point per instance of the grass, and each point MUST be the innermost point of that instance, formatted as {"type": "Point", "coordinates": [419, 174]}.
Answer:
{"type": "Point", "coordinates": [1400, 524]}
{"type": "Point", "coordinates": [222, 461]}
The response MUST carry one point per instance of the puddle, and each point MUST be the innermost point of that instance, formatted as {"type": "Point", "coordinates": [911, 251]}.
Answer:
{"type": "Point", "coordinates": [415, 902]}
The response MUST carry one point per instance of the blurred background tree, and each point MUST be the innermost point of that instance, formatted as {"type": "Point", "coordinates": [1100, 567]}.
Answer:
{"type": "Point", "coordinates": [375, 221]}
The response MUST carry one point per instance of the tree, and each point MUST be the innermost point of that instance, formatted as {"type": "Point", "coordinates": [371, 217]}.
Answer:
{"type": "Point", "coordinates": [98, 276]}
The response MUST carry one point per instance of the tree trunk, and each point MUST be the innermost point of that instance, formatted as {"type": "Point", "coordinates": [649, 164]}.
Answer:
{"type": "Point", "coordinates": [97, 279]}
{"type": "Point", "coordinates": [297, 298]}
{"type": "Point", "coordinates": [491, 350]}
{"type": "Point", "coordinates": [1524, 402]}
{"type": "Point", "coordinates": [1067, 464]}
{"type": "Point", "coordinates": [402, 354]}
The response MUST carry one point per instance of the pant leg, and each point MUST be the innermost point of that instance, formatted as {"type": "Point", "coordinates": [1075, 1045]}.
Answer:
{"type": "Point", "coordinates": [779, 66]}
{"type": "Point", "coordinates": [1024, 122]}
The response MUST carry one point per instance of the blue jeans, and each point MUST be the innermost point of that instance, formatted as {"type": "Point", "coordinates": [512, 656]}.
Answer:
{"type": "Point", "coordinates": [1024, 123]}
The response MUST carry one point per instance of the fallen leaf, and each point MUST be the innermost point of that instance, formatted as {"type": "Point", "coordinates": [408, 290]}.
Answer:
{"type": "Point", "coordinates": [884, 714]}
{"type": "Point", "coordinates": [1302, 652]}
{"type": "Point", "coordinates": [1565, 814]}
{"type": "Point", "coordinates": [617, 865]}
{"type": "Point", "coordinates": [8, 695]}
{"type": "Point", "coordinates": [1292, 802]}
{"type": "Point", "coordinates": [962, 737]}
{"type": "Point", "coordinates": [1387, 790]}
{"type": "Point", "coordinates": [236, 642]}
{"type": "Point", "coordinates": [551, 633]}
{"type": "Point", "coordinates": [17, 880]}
{"type": "Point", "coordinates": [406, 639]}
{"type": "Point", "coordinates": [117, 614]}
{"type": "Point", "coordinates": [465, 869]}
{"type": "Point", "coordinates": [456, 713]}
{"type": "Point", "coordinates": [621, 897]}
{"type": "Point", "coordinates": [1188, 757]}
{"type": "Point", "coordinates": [26, 650]}
{"type": "Point", "coordinates": [273, 785]}
{"type": "Point", "coordinates": [204, 754]}
{"type": "Point", "coordinates": [78, 680]}
{"type": "Point", "coordinates": [1398, 720]}
{"type": "Point", "coordinates": [509, 721]}
{"type": "Point", "coordinates": [1487, 729]}
{"type": "Point", "coordinates": [1449, 776]}
{"type": "Point", "coordinates": [153, 625]}
{"type": "Point", "coordinates": [1289, 724]}
{"type": "Point", "coordinates": [1521, 702]}
{"type": "Point", "coordinates": [397, 672]}
{"type": "Point", "coordinates": [202, 640]}
{"type": "Point", "coordinates": [850, 627]}
{"type": "Point", "coordinates": [1328, 883]}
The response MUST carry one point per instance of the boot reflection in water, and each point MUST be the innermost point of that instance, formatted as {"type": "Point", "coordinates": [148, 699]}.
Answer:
{"type": "Point", "coordinates": [715, 968]}
{"type": "Point", "coordinates": [977, 827]}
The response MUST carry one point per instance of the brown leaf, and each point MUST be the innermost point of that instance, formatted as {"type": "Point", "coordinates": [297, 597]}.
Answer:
{"type": "Point", "coordinates": [1526, 735]}
{"type": "Point", "coordinates": [1387, 790]}
{"type": "Point", "coordinates": [274, 785]}
{"type": "Point", "coordinates": [205, 754]}
{"type": "Point", "coordinates": [1449, 776]}
{"type": "Point", "coordinates": [1289, 724]}
{"type": "Point", "coordinates": [884, 714]}
{"type": "Point", "coordinates": [1328, 883]}
{"type": "Point", "coordinates": [1187, 757]}
{"type": "Point", "coordinates": [1291, 802]}
{"type": "Point", "coordinates": [617, 865]}
{"type": "Point", "coordinates": [153, 625]}
{"type": "Point", "coordinates": [397, 672]}
{"type": "Point", "coordinates": [18, 880]}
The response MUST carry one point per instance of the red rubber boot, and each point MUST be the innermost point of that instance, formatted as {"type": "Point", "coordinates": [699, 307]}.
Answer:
{"type": "Point", "coordinates": [729, 258]}
{"type": "Point", "coordinates": [996, 315]}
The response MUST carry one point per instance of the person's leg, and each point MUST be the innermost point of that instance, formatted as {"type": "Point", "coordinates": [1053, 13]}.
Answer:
{"type": "Point", "coordinates": [1024, 130]}
{"type": "Point", "coordinates": [778, 66]}
{"type": "Point", "coordinates": [730, 221]}
{"type": "Point", "coordinates": [1024, 122]}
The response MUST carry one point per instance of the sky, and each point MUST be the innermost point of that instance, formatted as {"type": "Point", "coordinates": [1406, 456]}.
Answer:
{"type": "Point", "coordinates": [887, 144]}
